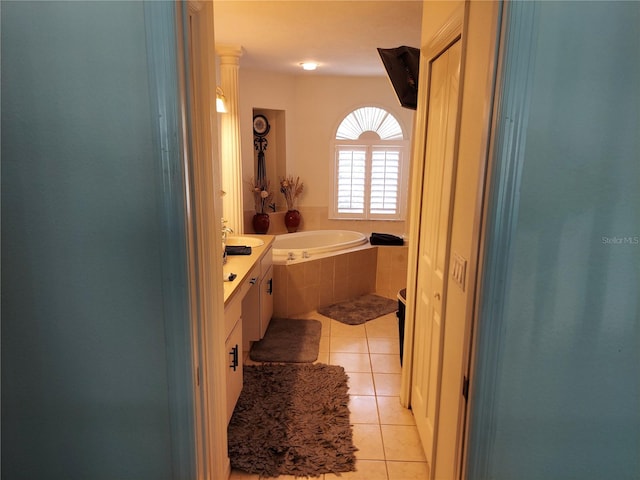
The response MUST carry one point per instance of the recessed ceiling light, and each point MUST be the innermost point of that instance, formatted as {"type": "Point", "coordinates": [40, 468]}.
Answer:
{"type": "Point", "coordinates": [309, 65]}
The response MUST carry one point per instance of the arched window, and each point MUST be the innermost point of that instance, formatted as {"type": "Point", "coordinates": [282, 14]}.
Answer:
{"type": "Point", "coordinates": [369, 167]}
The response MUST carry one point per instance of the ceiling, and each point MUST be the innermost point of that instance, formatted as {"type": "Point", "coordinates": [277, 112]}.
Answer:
{"type": "Point", "coordinates": [342, 36]}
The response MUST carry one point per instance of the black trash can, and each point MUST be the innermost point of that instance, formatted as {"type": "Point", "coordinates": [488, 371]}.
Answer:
{"type": "Point", "coordinates": [402, 302]}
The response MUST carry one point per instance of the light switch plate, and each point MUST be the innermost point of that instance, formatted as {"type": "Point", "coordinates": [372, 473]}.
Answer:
{"type": "Point", "coordinates": [459, 270]}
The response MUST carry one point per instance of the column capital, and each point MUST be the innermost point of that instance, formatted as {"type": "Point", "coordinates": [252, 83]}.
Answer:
{"type": "Point", "coordinates": [229, 52]}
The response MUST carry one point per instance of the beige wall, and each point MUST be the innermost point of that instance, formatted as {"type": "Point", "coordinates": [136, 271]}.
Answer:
{"type": "Point", "coordinates": [314, 106]}
{"type": "Point", "coordinates": [434, 15]}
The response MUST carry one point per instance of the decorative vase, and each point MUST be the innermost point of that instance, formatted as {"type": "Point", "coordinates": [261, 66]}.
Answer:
{"type": "Point", "coordinates": [292, 220]}
{"type": "Point", "coordinates": [261, 223]}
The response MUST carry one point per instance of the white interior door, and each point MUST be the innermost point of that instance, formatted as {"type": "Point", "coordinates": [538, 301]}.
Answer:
{"type": "Point", "coordinates": [433, 243]}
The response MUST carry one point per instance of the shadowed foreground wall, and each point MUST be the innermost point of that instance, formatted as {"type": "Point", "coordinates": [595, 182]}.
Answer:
{"type": "Point", "coordinates": [84, 382]}
{"type": "Point", "coordinates": [567, 390]}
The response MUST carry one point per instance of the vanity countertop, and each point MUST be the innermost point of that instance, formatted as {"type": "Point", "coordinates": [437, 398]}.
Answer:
{"type": "Point", "coordinates": [242, 265]}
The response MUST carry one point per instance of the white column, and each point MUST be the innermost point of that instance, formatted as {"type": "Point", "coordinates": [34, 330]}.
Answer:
{"type": "Point", "coordinates": [231, 160]}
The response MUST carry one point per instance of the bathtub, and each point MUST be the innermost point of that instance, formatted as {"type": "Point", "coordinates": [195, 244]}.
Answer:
{"type": "Point", "coordinates": [302, 246]}
{"type": "Point", "coordinates": [321, 267]}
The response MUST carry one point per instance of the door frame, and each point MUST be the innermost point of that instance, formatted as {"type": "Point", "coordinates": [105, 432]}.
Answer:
{"type": "Point", "coordinates": [501, 194]}
{"type": "Point", "coordinates": [204, 213]}
{"type": "Point", "coordinates": [434, 246]}
{"type": "Point", "coordinates": [471, 21]}
{"type": "Point", "coordinates": [449, 33]}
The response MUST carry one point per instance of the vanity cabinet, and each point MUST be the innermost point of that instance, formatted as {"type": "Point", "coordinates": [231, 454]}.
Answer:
{"type": "Point", "coordinates": [247, 312]}
{"type": "Point", "coordinates": [257, 306]}
{"type": "Point", "coordinates": [233, 351]}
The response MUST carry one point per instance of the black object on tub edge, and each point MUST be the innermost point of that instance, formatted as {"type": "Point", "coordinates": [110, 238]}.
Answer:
{"type": "Point", "coordinates": [385, 239]}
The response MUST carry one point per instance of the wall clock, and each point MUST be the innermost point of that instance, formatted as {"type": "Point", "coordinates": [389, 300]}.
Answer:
{"type": "Point", "coordinates": [260, 125]}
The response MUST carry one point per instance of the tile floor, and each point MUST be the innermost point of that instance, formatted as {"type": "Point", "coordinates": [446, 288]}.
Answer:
{"type": "Point", "coordinates": [383, 431]}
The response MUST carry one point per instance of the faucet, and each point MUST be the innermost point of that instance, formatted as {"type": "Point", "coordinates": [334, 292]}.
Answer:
{"type": "Point", "coordinates": [225, 231]}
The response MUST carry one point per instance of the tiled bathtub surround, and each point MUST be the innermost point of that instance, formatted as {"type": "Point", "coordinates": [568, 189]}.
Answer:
{"type": "Point", "coordinates": [302, 287]}
{"type": "Point", "coordinates": [317, 218]}
{"type": "Point", "coordinates": [391, 271]}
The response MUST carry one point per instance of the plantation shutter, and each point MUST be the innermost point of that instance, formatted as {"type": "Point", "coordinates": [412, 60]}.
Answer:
{"type": "Point", "coordinates": [351, 175]}
{"type": "Point", "coordinates": [369, 168]}
{"type": "Point", "coordinates": [385, 180]}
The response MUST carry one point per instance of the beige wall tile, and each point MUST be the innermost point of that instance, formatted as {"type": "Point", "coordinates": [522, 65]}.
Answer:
{"type": "Point", "coordinates": [295, 274]}
{"type": "Point", "coordinates": [341, 289]}
{"type": "Point", "coordinates": [327, 270]}
{"type": "Point", "coordinates": [316, 218]}
{"type": "Point", "coordinates": [325, 295]}
{"type": "Point", "coordinates": [311, 273]}
{"type": "Point", "coordinates": [280, 282]}
{"type": "Point", "coordinates": [295, 299]}
{"type": "Point", "coordinates": [280, 305]}
{"type": "Point", "coordinates": [384, 257]}
{"type": "Point", "coordinates": [357, 284]}
{"type": "Point", "coordinates": [341, 266]}
{"type": "Point", "coordinates": [311, 298]}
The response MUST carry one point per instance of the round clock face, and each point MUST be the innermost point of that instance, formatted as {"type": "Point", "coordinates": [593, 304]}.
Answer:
{"type": "Point", "coordinates": [260, 125]}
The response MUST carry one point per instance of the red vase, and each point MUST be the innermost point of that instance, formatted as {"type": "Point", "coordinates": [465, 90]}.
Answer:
{"type": "Point", "coordinates": [292, 220]}
{"type": "Point", "coordinates": [261, 223]}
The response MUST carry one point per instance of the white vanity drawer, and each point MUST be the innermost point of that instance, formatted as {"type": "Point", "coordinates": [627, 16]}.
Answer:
{"type": "Point", "coordinates": [232, 313]}
{"type": "Point", "coordinates": [233, 310]}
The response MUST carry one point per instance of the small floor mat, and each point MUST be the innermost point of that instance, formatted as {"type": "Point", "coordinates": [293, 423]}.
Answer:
{"type": "Point", "coordinates": [360, 309]}
{"type": "Point", "coordinates": [288, 340]}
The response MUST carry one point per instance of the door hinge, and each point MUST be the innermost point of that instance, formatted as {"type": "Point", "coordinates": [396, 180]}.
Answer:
{"type": "Point", "coordinates": [465, 388]}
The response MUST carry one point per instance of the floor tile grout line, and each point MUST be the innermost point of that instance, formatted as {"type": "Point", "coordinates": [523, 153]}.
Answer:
{"type": "Point", "coordinates": [375, 391]}
{"type": "Point", "coordinates": [375, 395]}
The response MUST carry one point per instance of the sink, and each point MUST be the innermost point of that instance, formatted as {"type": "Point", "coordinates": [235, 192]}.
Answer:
{"type": "Point", "coordinates": [244, 240]}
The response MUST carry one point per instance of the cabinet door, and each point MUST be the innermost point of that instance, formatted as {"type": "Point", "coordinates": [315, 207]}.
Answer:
{"type": "Point", "coordinates": [251, 310]}
{"type": "Point", "coordinates": [233, 347]}
{"type": "Point", "coordinates": [266, 300]}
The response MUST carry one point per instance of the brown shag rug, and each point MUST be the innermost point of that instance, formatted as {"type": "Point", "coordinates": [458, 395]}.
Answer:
{"type": "Point", "coordinates": [292, 419]}
{"type": "Point", "coordinates": [288, 340]}
{"type": "Point", "coordinates": [360, 309]}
